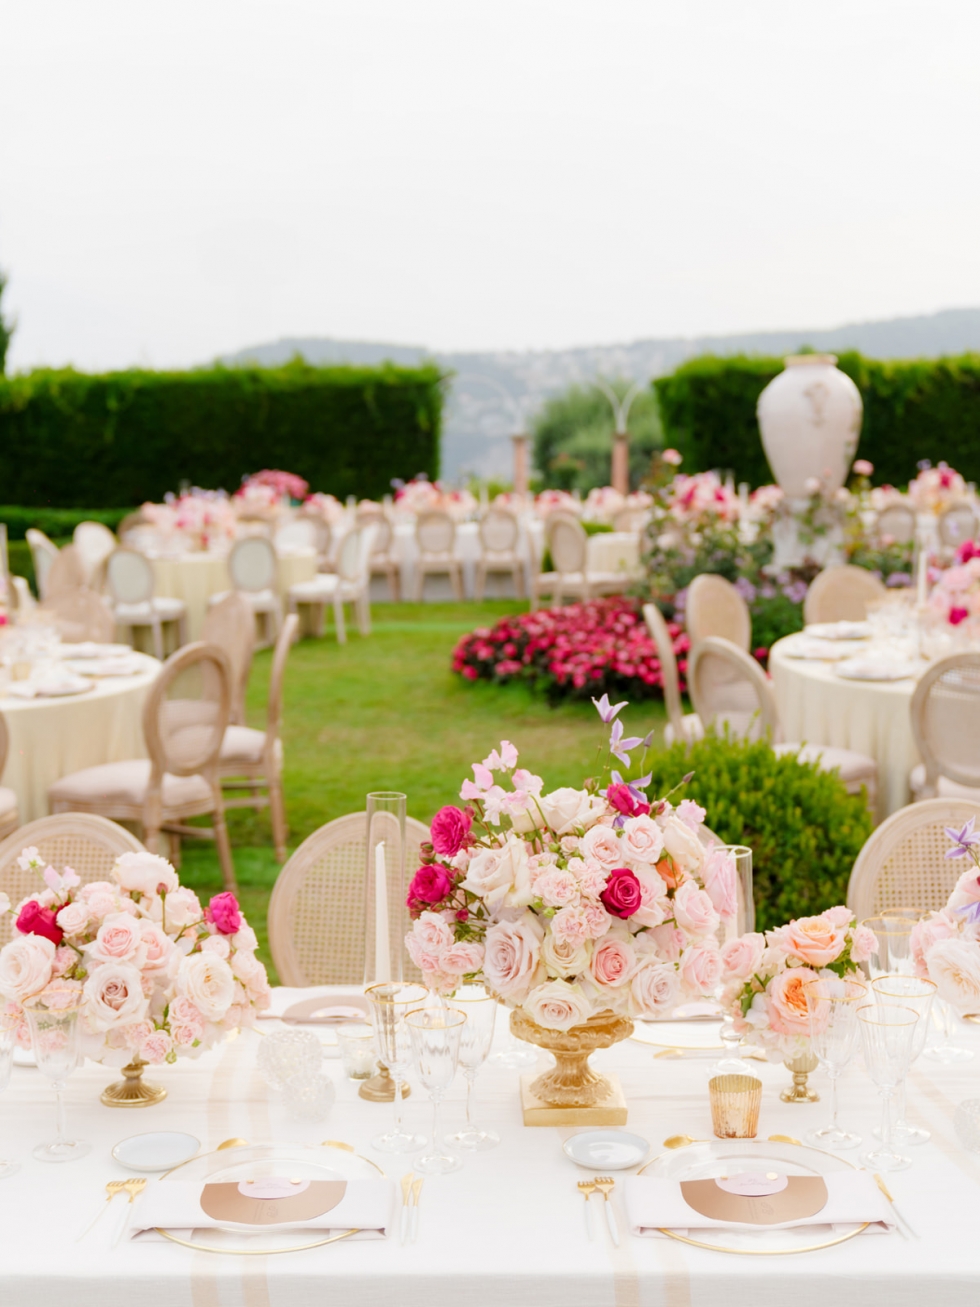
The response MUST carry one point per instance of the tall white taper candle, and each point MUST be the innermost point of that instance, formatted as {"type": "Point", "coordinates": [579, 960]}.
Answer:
{"type": "Point", "coordinates": [382, 950]}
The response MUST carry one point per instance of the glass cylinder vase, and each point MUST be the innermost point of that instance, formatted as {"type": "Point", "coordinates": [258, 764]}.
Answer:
{"type": "Point", "coordinates": [385, 916]}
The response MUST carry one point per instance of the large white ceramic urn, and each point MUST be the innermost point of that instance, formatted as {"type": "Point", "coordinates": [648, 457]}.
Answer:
{"type": "Point", "coordinates": [810, 419]}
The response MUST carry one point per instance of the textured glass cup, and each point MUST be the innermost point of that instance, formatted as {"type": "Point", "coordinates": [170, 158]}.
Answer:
{"type": "Point", "coordinates": [390, 1004]}
{"type": "Point", "coordinates": [735, 1103]}
{"type": "Point", "coordinates": [477, 1036]}
{"type": "Point", "coordinates": [54, 1034]}
{"type": "Point", "coordinates": [436, 1035]}
{"type": "Point", "coordinates": [918, 994]}
{"type": "Point", "coordinates": [832, 1006]}
{"type": "Point", "coordinates": [887, 1034]}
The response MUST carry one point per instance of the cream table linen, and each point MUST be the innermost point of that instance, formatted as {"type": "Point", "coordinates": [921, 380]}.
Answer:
{"type": "Point", "coordinates": [49, 738]}
{"type": "Point", "coordinates": [817, 706]}
{"type": "Point", "coordinates": [507, 1229]}
{"type": "Point", "coordinates": [196, 577]}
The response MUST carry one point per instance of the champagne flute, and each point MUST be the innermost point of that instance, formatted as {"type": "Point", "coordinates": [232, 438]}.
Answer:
{"type": "Point", "coordinates": [436, 1035]}
{"type": "Point", "coordinates": [55, 1036]}
{"type": "Point", "coordinates": [389, 1004]}
{"type": "Point", "coordinates": [832, 1005]}
{"type": "Point", "coordinates": [477, 1036]}
{"type": "Point", "coordinates": [8, 1042]}
{"type": "Point", "coordinates": [887, 1034]}
{"type": "Point", "coordinates": [918, 994]}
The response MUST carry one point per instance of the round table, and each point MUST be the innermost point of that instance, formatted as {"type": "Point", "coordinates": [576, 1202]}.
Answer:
{"type": "Point", "coordinates": [194, 578]}
{"type": "Point", "coordinates": [50, 738]}
{"type": "Point", "coordinates": [816, 706]}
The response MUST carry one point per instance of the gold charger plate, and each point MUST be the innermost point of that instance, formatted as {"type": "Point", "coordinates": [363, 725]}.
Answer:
{"type": "Point", "coordinates": [327, 1161]}
{"type": "Point", "coordinates": [710, 1158]}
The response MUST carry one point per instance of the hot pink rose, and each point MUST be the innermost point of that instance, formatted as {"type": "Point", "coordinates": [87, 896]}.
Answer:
{"type": "Point", "coordinates": [430, 884]}
{"type": "Point", "coordinates": [513, 955]}
{"type": "Point", "coordinates": [224, 912]}
{"type": "Point", "coordinates": [620, 798]}
{"type": "Point", "coordinates": [788, 1012]}
{"type": "Point", "coordinates": [816, 941]}
{"type": "Point", "coordinates": [721, 883]}
{"type": "Point", "coordinates": [622, 895]}
{"type": "Point", "coordinates": [449, 830]}
{"type": "Point", "coordinates": [35, 920]}
{"type": "Point", "coordinates": [694, 911]}
{"type": "Point", "coordinates": [612, 962]}
{"type": "Point", "coordinates": [741, 957]}
{"type": "Point", "coordinates": [701, 967]}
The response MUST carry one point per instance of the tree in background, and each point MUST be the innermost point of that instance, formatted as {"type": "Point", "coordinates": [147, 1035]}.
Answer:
{"type": "Point", "coordinates": [573, 438]}
{"type": "Point", "coordinates": [6, 330]}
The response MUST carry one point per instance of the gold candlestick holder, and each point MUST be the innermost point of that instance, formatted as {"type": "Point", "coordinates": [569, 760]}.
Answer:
{"type": "Point", "coordinates": [380, 1088]}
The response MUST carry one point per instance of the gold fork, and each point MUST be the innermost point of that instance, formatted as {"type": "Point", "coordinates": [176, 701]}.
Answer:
{"type": "Point", "coordinates": [606, 1184]}
{"type": "Point", "coordinates": [587, 1188]}
{"type": "Point", "coordinates": [112, 1188]}
{"type": "Point", "coordinates": [135, 1187]}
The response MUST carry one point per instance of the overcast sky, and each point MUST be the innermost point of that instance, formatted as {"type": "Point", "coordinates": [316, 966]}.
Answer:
{"type": "Point", "coordinates": [182, 179]}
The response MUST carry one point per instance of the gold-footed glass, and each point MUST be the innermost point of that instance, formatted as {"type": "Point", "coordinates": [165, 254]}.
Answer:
{"type": "Point", "coordinates": [735, 1103]}
{"type": "Point", "coordinates": [133, 1090]}
{"type": "Point", "coordinates": [800, 1091]}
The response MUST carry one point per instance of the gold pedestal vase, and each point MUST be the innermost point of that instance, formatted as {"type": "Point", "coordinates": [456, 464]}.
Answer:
{"type": "Point", "coordinates": [800, 1092]}
{"type": "Point", "coordinates": [572, 1093]}
{"type": "Point", "coordinates": [132, 1090]}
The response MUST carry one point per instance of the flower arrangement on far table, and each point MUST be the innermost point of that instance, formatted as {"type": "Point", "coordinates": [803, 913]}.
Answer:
{"type": "Point", "coordinates": [156, 975]}
{"type": "Point", "coordinates": [955, 597]}
{"type": "Point", "coordinates": [205, 517]}
{"type": "Point", "coordinates": [946, 944]}
{"type": "Point", "coordinates": [265, 490]}
{"type": "Point", "coordinates": [420, 495]}
{"type": "Point", "coordinates": [571, 903]}
{"type": "Point", "coordinates": [935, 488]}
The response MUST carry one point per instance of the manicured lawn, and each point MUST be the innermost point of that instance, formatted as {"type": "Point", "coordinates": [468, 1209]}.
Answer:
{"type": "Point", "coordinates": [386, 713]}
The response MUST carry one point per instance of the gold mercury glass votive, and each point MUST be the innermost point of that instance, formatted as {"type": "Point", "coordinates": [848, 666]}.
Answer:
{"type": "Point", "coordinates": [735, 1103]}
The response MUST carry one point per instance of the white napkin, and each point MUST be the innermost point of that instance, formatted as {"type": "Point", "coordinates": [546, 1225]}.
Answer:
{"type": "Point", "coordinates": [654, 1203]}
{"type": "Point", "coordinates": [175, 1205]}
{"type": "Point", "coordinates": [871, 668]}
{"type": "Point", "coordinates": [49, 688]}
{"type": "Point", "coordinates": [805, 646]}
{"type": "Point", "coordinates": [839, 630]}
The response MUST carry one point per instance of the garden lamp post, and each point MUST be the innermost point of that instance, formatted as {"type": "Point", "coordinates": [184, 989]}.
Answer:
{"type": "Point", "coordinates": [620, 476]}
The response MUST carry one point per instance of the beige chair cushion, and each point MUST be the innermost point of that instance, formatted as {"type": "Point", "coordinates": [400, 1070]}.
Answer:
{"type": "Point", "coordinates": [166, 609]}
{"type": "Point", "coordinates": [8, 802]}
{"type": "Point", "coordinates": [945, 788]}
{"type": "Point", "coordinates": [851, 766]}
{"type": "Point", "coordinates": [125, 783]}
{"type": "Point", "coordinates": [319, 590]}
{"type": "Point", "coordinates": [242, 744]}
{"type": "Point", "coordinates": [262, 601]}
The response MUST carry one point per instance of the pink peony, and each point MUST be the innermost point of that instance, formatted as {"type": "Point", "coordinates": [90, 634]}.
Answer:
{"type": "Point", "coordinates": [449, 830]}
{"type": "Point", "coordinates": [224, 912]}
{"type": "Point", "coordinates": [35, 920]}
{"type": "Point", "coordinates": [788, 1011]}
{"type": "Point", "coordinates": [612, 962]}
{"type": "Point", "coordinates": [430, 884]}
{"type": "Point", "coordinates": [622, 895]}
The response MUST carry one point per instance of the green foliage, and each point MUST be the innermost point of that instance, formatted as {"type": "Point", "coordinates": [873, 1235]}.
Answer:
{"type": "Point", "coordinates": [573, 438]}
{"type": "Point", "coordinates": [6, 328]}
{"type": "Point", "coordinates": [67, 438]}
{"type": "Point", "coordinates": [57, 522]}
{"type": "Point", "coordinates": [913, 409]}
{"type": "Point", "coordinates": [804, 829]}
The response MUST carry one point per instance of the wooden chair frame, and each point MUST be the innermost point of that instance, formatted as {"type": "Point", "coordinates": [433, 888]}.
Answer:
{"type": "Point", "coordinates": [715, 608]}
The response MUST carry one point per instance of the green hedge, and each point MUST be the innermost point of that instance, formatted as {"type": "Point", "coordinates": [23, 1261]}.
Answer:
{"type": "Point", "coordinates": [68, 439]}
{"type": "Point", "coordinates": [913, 409]}
{"type": "Point", "coordinates": [58, 523]}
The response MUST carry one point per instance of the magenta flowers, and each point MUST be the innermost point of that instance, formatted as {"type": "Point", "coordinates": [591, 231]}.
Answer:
{"type": "Point", "coordinates": [622, 895]}
{"type": "Point", "coordinates": [449, 830]}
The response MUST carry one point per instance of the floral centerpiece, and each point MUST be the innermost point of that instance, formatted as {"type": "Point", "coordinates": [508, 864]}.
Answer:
{"type": "Point", "coordinates": [603, 503]}
{"type": "Point", "coordinates": [327, 507]}
{"type": "Point", "coordinates": [935, 488]}
{"type": "Point", "coordinates": [420, 495]}
{"type": "Point", "coordinates": [556, 501]}
{"type": "Point", "coordinates": [204, 517]}
{"type": "Point", "coordinates": [955, 597]}
{"type": "Point", "coordinates": [946, 945]}
{"type": "Point", "coordinates": [283, 485]}
{"type": "Point", "coordinates": [576, 907]}
{"type": "Point", "coordinates": [156, 976]}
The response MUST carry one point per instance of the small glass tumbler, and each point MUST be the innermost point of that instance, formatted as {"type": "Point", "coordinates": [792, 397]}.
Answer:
{"type": "Point", "coordinates": [735, 1103]}
{"type": "Point", "coordinates": [285, 1054]}
{"type": "Point", "coordinates": [356, 1043]}
{"type": "Point", "coordinates": [309, 1096]}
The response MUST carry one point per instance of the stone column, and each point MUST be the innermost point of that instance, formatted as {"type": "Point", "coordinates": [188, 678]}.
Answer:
{"type": "Point", "coordinates": [621, 462]}
{"type": "Point", "coordinates": [520, 465]}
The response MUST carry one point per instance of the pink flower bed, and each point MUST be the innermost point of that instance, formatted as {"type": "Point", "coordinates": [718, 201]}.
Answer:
{"type": "Point", "coordinates": [572, 652]}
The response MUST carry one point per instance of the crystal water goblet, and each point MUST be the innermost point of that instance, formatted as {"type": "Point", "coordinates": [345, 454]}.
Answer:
{"type": "Point", "coordinates": [887, 1035]}
{"type": "Point", "coordinates": [893, 955]}
{"type": "Point", "coordinates": [436, 1034]}
{"type": "Point", "coordinates": [390, 1003]}
{"type": "Point", "coordinates": [832, 1006]}
{"type": "Point", "coordinates": [474, 1045]}
{"type": "Point", "coordinates": [918, 994]}
{"type": "Point", "coordinates": [8, 1042]}
{"type": "Point", "coordinates": [55, 1036]}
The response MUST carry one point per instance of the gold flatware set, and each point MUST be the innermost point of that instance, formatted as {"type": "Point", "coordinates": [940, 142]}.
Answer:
{"type": "Point", "coordinates": [604, 1185]}
{"type": "Point", "coordinates": [411, 1191]}
{"type": "Point", "coordinates": [133, 1187]}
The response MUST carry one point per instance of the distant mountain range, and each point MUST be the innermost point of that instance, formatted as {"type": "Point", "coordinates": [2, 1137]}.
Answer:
{"type": "Point", "coordinates": [479, 418]}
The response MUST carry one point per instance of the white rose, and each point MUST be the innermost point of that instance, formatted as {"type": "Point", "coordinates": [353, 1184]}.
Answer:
{"type": "Point", "coordinates": [217, 944]}
{"type": "Point", "coordinates": [642, 839]}
{"type": "Point", "coordinates": [602, 844]}
{"type": "Point", "coordinates": [566, 810]}
{"type": "Point", "coordinates": [563, 957]}
{"type": "Point", "coordinates": [181, 908]}
{"type": "Point", "coordinates": [246, 938]}
{"type": "Point", "coordinates": [247, 968]}
{"type": "Point", "coordinates": [685, 849]}
{"type": "Point", "coordinates": [501, 875]}
{"type": "Point", "coordinates": [73, 917]}
{"type": "Point", "coordinates": [558, 1005]}
{"type": "Point", "coordinates": [25, 966]}
{"type": "Point", "coordinates": [954, 966]}
{"type": "Point", "coordinates": [208, 982]}
{"type": "Point", "coordinates": [114, 996]}
{"type": "Point", "coordinates": [654, 988]}
{"type": "Point", "coordinates": [145, 873]}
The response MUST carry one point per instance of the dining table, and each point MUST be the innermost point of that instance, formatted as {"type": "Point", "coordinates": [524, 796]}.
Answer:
{"type": "Point", "coordinates": [196, 577]}
{"type": "Point", "coordinates": [509, 1227]}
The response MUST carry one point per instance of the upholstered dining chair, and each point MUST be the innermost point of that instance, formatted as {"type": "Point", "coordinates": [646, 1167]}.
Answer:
{"type": "Point", "coordinates": [499, 532]}
{"type": "Point", "coordinates": [93, 542]}
{"type": "Point", "coordinates": [80, 840]}
{"type": "Point", "coordinates": [351, 583]}
{"type": "Point", "coordinates": [9, 816]}
{"type": "Point", "coordinates": [81, 615]}
{"type": "Point", "coordinates": [65, 573]}
{"type": "Point", "coordinates": [435, 535]}
{"type": "Point", "coordinates": [715, 607]}
{"type": "Point", "coordinates": [43, 554]}
{"type": "Point", "coordinates": [251, 760]}
{"type": "Point", "coordinates": [298, 533]}
{"type": "Point", "coordinates": [955, 524]}
{"type": "Point", "coordinates": [254, 572]}
{"type": "Point", "coordinates": [384, 560]}
{"type": "Point", "coordinates": [568, 545]}
{"type": "Point", "coordinates": [945, 712]}
{"type": "Point", "coordinates": [842, 594]}
{"type": "Point", "coordinates": [895, 522]}
{"type": "Point", "coordinates": [904, 863]}
{"type": "Point", "coordinates": [680, 726]}
{"type": "Point", "coordinates": [230, 624]}
{"type": "Point", "coordinates": [730, 691]}
{"type": "Point", "coordinates": [184, 721]}
{"type": "Point", "coordinates": [131, 583]}
{"type": "Point", "coordinates": [323, 883]}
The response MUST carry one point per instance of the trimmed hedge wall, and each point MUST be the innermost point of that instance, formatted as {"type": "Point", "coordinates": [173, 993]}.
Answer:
{"type": "Point", "coordinates": [58, 523]}
{"type": "Point", "coordinates": [913, 409]}
{"type": "Point", "coordinates": [68, 439]}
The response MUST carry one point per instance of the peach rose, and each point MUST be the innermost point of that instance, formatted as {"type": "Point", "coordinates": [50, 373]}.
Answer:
{"type": "Point", "coordinates": [558, 1005]}
{"type": "Point", "coordinates": [513, 956]}
{"type": "Point", "coordinates": [816, 941]}
{"type": "Point", "coordinates": [788, 1012]}
{"type": "Point", "coordinates": [612, 962]}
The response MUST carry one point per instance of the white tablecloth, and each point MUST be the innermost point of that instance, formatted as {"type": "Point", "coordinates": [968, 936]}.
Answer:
{"type": "Point", "coordinates": [507, 1229]}
{"type": "Point", "coordinates": [49, 738]}
{"type": "Point", "coordinates": [817, 706]}
{"type": "Point", "coordinates": [196, 577]}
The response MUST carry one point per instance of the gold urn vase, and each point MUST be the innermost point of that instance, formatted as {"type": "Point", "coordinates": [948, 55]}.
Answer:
{"type": "Point", "coordinates": [133, 1090]}
{"type": "Point", "coordinates": [572, 1093]}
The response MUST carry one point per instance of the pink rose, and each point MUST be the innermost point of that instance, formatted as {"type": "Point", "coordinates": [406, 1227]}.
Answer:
{"type": "Point", "coordinates": [448, 831]}
{"type": "Point", "coordinates": [622, 895]}
{"type": "Point", "coordinates": [694, 911]}
{"type": "Point", "coordinates": [701, 967]}
{"type": "Point", "coordinates": [462, 959]}
{"type": "Point", "coordinates": [73, 917]}
{"type": "Point", "coordinates": [431, 934]}
{"type": "Point", "coordinates": [556, 888]}
{"type": "Point", "coordinates": [180, 908]}
{"type": "Point", "coordinates": [743, 956]}
{"type": "Point", "coordinates": [654, 988]}
{"type": "Point", "coordinates": [513, 955]}
{"type": "Point", "coordinates": [612, 962]}
{"type": "Point", "coordinates": [430, 884]}
{"type": "Point", "coordinates": [35, 920]}
{"type": "Point", "coordinates": [926, 934]}
{"type": "Point", "coordinates": [25, 966]}
{"type": "Point", "coordinates": [119, 939]}
{"type": "Point", "coordinates": [642, 840]}
{"type": "Point", "coordinates": [114, 996]}
{"type": "Point", "coordinates": [224, 912]}
{"type": "Point", "coordinates": [156, 1046]}
{"type": "Point", "coordinates": [654, 904]}
{"type": "Point", "coordinates": [558, 1005]}
{"type": "Point", "coordinates": [620, 798]}
{"type": "Point", "coordinates": [669, 941]}
{"type": "Point", "coordinates": [816, 941]}
{"type": "Point", "coordinates": [721, 883]}
{"type": "Point", "coordinates": [864, 944]}
{"type": "Point", "coordinates": [788, 1011]}
{"type": "Point", "coordinates": [601, 844]}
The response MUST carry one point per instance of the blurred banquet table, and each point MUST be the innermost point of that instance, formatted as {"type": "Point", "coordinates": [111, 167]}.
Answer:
{"type": "Point", "coordinates": [816, 706]}
{"type": "Point", "coordinates": [506, 1229]}
{"type": "Point", "coordinates": [51, 737]}
{"type": "Point", "coordinates": [196, 577]}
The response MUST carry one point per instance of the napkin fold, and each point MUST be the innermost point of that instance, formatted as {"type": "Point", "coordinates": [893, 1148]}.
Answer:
{"type": "Point", "coordinates": [178, 1206]}
{"type": "Point", "coordinates": [654, 1203]}
{"type": "Point", "coordinates": [872, 668]}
